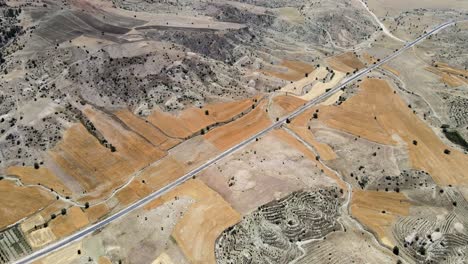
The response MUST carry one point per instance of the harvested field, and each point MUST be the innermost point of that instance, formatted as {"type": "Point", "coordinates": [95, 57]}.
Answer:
{"type": "Point", "coordinates": [162, 173]}
{"type": "Point", "coordinates": [192, 120]}
{"type": "Point", "coordinates": [146, 130]}
{"type": "Point", "coordinates": [320, 87]}
{"type": "Point", "coordinates": [298, 86]}
{"type": "Point", "coordinates": [198, 229]}
{"type": "Point", "coordinates": [95, 212]}
{"type": "Point", "coordinates": [163, 259]}
{"type": "Point", "coordinates": [65, 255]}
{"type": "Point", "coordinates": [104, 260]}
{"type": "Point", "coordinates": [136, 151]}
{"type": "Point", "coordinates": [41, 237]}
{"type": "Point", "coordinates": [281, 105]}
{"type": "Point", "coordinates": [92, 165]}
{"type": "Point", "coordinates": [299, 125]}
{"type": "Point", "coordinates": [377, 114]}
{"type": "Point", "coordinates": [69, 223]}
{"type": "Point", "coordinates": [169, 124]}
{"type": "Point", "coordinates": [223, 112]}
{"type": "Point", "coordinates": [133, 192]}
{"type": "Point", "coordinates": [346, 62]}
{"type": "Point", "coordinates": [41, 176]}
{"type": "Point", "coordinates": [333, 98]}
{"type": "Point", "coordinates": [286, 104]}
{"type": "Point", "coordinates": [448, 75]}
{"type": "Point", "coordinates": [230, 134]}
{"type": "Point", "coordinates": [379, 211]}
{"type": "Point", "coordinates": [370, 60]}
{"type": "Point", "coordinates": [195, 119]}
{"type": "Point", "coordinates": [18, 202]}
{"type": "Point", "coordinates": [290, 70]}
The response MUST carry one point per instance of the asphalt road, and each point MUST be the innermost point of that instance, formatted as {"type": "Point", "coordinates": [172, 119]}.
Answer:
{"type": "Point", "coordinates": [90, 229]}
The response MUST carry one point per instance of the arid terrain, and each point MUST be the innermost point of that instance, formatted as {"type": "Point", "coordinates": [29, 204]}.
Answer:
{"type": "Point", "coordinates": [246, 131]}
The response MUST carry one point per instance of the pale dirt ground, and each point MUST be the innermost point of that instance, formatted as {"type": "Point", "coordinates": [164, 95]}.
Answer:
{"type": "Point", "coordinates": [394, 7]}
{"type": "Point", "coordinates": [376, 114]}
{"type": "Point", "coordinates": [262, 171]}
{"type": "Point", "coordinates": [350, 246]}
{"type": "Point", "coordinates": [320, 87]}
{"type": "Point", "coordinates": [298, 86]}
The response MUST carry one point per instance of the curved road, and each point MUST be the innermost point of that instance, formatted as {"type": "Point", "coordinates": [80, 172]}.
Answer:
{"type": "Point", "coordinates": [90, 229]}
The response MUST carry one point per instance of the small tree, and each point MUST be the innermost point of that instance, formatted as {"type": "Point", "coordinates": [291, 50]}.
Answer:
{"type": "Point", "coordinates": [86, 205]}
{"type": "Point", "coordinates": [396, 250]}
{"type": "Point", "coordinates": [63, 211]}
{"type": "Point", "coordinates": [207, 112]}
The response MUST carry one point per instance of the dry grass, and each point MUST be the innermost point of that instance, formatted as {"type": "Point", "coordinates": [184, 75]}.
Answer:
{"type": "Point", "coordinates": [228, 135]}
{"type": "Point", "coordinates": [198, 229]}
{"type": "Point", "coordinates": [379, 210]}
{"type": "Point", "coordinates": [17, 202]}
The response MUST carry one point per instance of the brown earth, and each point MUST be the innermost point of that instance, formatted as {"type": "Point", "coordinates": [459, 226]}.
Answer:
{"type": "Point", "coordinates": [232, 133]}
{"type": "Point", "coordinates": [378, 114]}
{"type": "Point", "coordinates": [18, 202]}
{"type": "Point", "coordinates": [379, 211]}
{"type": "Point", "coordinates": [346, 62]}
{"type": "Point", "coordinates": [42, 176]}
{"type": "Point", "coordinates": [207, 217]}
